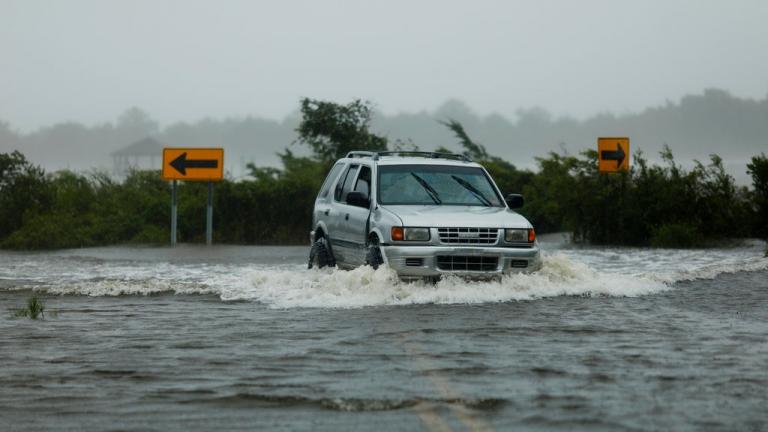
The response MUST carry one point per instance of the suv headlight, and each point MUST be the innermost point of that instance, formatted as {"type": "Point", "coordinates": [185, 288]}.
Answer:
{"type": "Point", "coordinates": [410, 234]}
{"type": "Point", "coordinates": [519, 235]}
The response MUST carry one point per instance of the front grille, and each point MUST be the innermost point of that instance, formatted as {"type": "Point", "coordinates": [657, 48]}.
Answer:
{"type": "Point", "coordinates": [467, 263]}
{"type": "Point", "coordinates": [468, 235]}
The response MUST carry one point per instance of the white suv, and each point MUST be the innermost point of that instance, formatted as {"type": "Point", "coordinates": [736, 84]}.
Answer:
{"type": "Point", "coordinates": [424, 214]}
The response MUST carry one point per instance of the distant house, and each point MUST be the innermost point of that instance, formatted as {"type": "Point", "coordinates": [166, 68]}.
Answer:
{"type": "Point", "coordinates": [145, 154]}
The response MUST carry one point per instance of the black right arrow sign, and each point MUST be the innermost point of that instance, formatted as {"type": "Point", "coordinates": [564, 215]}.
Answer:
{"type": "Point", "coordinates": [618, 155]}
{"type": "Point", "coordinates": [613, 154]}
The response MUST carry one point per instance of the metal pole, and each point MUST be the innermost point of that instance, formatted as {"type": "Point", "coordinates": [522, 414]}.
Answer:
{"type": "Point", "coordinates": [624, 175]}
{"type": "Point", "coordinates": [173, 213]}
{"type": "Point", "coordinates": [209, 216]}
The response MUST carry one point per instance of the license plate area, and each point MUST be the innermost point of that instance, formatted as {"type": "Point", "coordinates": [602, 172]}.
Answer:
{"type": "Point", "coordinates": [479, 263]}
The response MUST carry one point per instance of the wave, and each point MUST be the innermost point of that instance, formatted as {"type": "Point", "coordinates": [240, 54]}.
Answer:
{"type": "Point", "coordinates": [711, 271]}
{"type": "Point", "coordinates": [343, 404]}
{"type": "Point", "coordinates": [293, 286]}
{"type": "Point", "coordinates": [367, 287]}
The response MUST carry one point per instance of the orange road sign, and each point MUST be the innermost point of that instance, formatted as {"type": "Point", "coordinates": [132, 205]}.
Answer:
{"type": "Point", "coordinates": [200, 164]}
{"type": "Point", "coordinates": [613, 154]}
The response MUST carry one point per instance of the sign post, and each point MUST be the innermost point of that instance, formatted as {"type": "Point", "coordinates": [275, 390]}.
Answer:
{"type": "Point", "coordinates": [193, 164]}
{"type": "Point", "coordinates": [173, 213]}
{"type": "Point", "coordinates": [209, 216]}
{"type": "Point", "coordinates": [613, 157]}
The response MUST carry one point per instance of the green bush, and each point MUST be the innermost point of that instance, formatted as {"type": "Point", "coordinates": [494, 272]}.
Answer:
{"type": "Point", "coordinates": [676, 235]}
{"type": "Point", "coordinates": [50, 231]}
{"type": "Point", "coordinates": [152, 234]}
{"type": "Point", "coordinates": [24, 191]}
{"type": "Point", "coordinates": [758, 170]}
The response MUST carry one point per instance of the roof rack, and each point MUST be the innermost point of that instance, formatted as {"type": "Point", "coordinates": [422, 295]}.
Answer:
{"type": "Point", "coordinates": [361, 154]}
{"type": "Point", "coordinates": [404, 153]}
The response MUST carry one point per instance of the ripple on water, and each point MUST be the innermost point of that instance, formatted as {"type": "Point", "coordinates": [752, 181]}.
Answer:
{"type": "Point", "coordinates": [343, 404]}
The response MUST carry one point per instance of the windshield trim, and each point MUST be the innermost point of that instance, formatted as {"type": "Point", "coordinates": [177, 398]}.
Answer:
{"type": "Point", "coordinates": [487, 176]}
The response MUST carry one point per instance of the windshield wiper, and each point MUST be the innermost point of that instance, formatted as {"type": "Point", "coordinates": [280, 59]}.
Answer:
{"type": "Point", "coordinates": [430, 190]}
{"type": "Point", "coordinates": [468, 186]}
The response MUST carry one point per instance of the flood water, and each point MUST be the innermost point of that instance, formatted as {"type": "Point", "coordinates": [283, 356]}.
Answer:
{"type": "Point", "coordinates": [244, 338]}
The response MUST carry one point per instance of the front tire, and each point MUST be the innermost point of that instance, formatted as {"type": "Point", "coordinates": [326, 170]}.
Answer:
{"type": "Point", "coordinates": [320, 254]}
{"type": "Point", "coordinates": [373, 255]}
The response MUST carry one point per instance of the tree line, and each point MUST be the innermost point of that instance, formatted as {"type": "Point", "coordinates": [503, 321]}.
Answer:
{"type": "Point", "coordinates": [662, 205]}
{"type": "Point", "coordinates": [694, 126]}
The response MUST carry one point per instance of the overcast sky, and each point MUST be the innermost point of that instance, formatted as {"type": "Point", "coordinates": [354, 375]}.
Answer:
{"type": "Point", "coordinates": [182, 60]}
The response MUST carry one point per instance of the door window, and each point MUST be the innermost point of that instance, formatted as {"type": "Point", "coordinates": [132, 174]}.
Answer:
{"type": "Point", "coordinates": [363, 183]}
{"type": "Point", "coordinates": [344, 185]}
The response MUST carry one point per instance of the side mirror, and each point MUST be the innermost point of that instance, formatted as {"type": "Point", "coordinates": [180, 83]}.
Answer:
{"type": "Point", "coordinates": [514, 201]}
{"type": "Point", "coordinates": [358, 199]}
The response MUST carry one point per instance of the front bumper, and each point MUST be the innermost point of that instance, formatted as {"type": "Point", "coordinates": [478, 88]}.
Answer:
{"type": "Point", "coordinates": [423, 261]}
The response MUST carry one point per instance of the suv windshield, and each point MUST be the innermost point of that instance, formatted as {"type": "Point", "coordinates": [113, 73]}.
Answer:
{"type": "Point", "coordinates": [436, 184]}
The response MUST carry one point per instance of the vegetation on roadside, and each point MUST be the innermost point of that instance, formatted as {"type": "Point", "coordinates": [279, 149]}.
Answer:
{"type": "Point", "coordinates": [34, 309]}
{"type": "Point", "coordinates": [651, 205]}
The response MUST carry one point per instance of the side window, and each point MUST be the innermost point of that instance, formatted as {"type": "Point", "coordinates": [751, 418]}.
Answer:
{"type": "Point", "coordinates": [363, 183]}
{"type": "Point", "coordinates": [344, 184]}
{"type": "Point", "coordinates": [349, 181]}
{"type": "Point", "coordinates": [329, 180]}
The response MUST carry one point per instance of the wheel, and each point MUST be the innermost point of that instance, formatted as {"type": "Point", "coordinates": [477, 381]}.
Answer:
{"type": "Point", "coordinates": [373, 255]}
{"type": "Point", "coordinates": [320, 255]}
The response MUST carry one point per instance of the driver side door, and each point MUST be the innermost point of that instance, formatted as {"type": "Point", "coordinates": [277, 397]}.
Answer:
{"type": "Point", "coordinates": [353, 220]}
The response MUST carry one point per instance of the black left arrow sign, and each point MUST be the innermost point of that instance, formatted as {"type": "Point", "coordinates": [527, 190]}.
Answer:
{"type": "Point", "coordinates": [618, 155]}
{"type": "Point", "coordinates": [181, 163]}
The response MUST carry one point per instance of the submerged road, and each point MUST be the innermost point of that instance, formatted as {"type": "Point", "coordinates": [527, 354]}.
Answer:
{"type": "Point", "coordinates": [243, 338]}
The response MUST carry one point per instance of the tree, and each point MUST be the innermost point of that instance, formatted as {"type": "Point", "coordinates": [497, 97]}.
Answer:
{"type": "Point", "coordinates": [8, 138]}
{"type": "Point", "coordinates": [24, 191]}
{"type": "Point", "coordinates": [507, 176]}
{"type": "Point", "coordinates": [137, 122]}
{"type": "Point", "coordinates": [332, 130]}
{"type": "Point", "coordinates": [758, 169]}
{"type": "Point", "coordinates": [472, 149]}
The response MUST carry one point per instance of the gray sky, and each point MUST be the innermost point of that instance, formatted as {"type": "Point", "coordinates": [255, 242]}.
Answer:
{"type": "Point", "coordinates": [182, 60]}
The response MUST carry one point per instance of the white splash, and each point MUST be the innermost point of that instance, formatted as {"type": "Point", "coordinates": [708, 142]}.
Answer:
{"type": "Point", "coordinates": [614, 272]}
{"type": "Point", "coordinates": [367, 287]}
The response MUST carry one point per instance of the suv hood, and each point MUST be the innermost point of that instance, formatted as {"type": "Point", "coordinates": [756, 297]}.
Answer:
{"type": "Point", "coordinates": [458, 216]}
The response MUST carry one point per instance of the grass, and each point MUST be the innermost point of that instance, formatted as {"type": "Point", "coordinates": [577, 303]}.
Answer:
{"type": "Point", "coordinates": [34, 309]}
